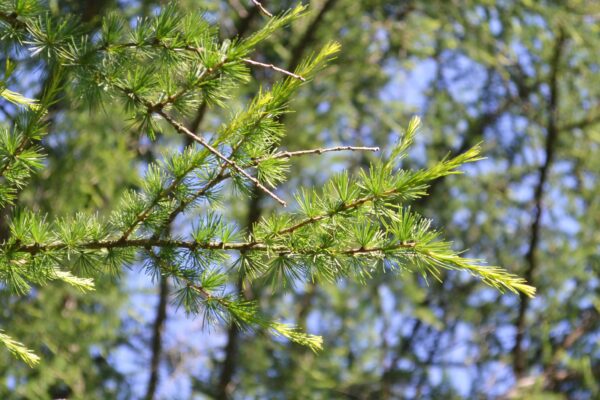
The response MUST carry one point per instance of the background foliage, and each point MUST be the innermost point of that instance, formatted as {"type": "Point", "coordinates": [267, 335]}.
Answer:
{"type": "Point", "coordinates": [521, 76]}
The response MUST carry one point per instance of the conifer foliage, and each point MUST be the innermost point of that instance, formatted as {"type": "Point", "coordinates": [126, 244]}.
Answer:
{"type": "Point", "coordinates": [160, 69]}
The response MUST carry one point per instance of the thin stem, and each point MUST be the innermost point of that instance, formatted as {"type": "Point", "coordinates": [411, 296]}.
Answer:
{"type": "Point", "coordinates": [290, 154]}
{"type": "Point", "coordinates": [262, 8]}
{"type": "Point", "coordinates": [274, 68]}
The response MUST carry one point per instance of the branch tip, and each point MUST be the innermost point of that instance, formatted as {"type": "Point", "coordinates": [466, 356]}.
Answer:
{"type": "Point", "coordinates": [274, 68]}
{"type": "Point", "coordinates": [262, 8]}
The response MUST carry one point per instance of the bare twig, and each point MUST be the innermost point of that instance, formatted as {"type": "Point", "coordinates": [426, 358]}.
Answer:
{"type": "Point", "coordinates": [274, 68]}
{"type": "Point", "coordinates": [261, 8]}
{"type": "Point", "coordinates": [290, 154]}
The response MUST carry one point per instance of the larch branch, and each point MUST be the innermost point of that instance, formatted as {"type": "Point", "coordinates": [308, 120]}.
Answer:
{"type": "Point", "coordinates": [146, 243]}
{"type": "Point", "coordinates": [185, 131]}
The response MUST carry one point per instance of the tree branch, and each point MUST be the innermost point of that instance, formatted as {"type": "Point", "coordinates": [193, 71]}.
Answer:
{"type": "Point", "coordinates": [157, 333]}
{"type": "Point", "coordinates": [35, 249]}
{"type": "Point", "coordinates": [519, 356]}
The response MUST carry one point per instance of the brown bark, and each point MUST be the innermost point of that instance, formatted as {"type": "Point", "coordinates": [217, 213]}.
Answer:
{"type": "Point", "coordinates": [157, 333]}
{"type": "Point", "coordinates": [531, 258]}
